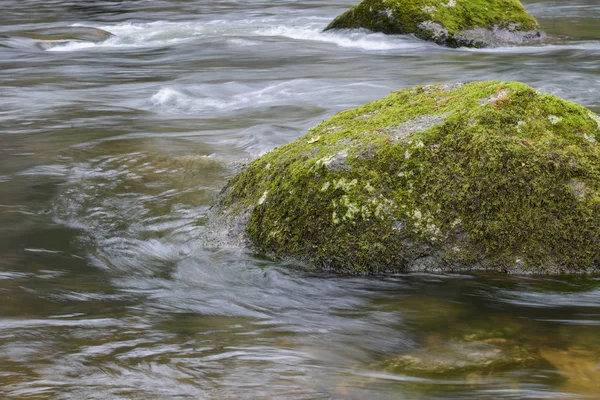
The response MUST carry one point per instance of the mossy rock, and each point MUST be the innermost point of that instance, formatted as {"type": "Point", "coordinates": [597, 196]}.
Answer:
{"type": "Point", "coordinates": [453, 23]}
{"type": "Point", "coordinates": [485, 175]}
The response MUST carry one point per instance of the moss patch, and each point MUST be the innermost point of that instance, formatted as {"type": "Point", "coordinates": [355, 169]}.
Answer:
{"type": "Point", "coordinates": [448, 22]}
{"type": "Point", "coordinates": [487, 175]}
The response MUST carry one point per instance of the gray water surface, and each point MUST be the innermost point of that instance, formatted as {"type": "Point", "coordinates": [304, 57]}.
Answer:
{"type": "Point", "coordinates": [112, 152]}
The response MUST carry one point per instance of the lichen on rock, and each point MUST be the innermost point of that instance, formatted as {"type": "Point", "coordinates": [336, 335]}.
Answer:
{"type": "Point", "coordinates": [486, 175]}
{"type": "Point", "coordinates": [453, 23]}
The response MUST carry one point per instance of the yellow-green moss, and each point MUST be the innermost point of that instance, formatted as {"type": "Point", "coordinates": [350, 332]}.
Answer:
{"type": "Point", "coordinates": [456, 17]}
{"type": "Point", "coordinates": [492, 175]}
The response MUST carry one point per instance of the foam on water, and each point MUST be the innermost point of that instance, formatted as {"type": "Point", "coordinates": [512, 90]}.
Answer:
{"type": "Point", "coordinates": [231, 96]}
{"type": "Point", "coordinates": [359, 39]}
{"type": "Point", "coordinates": [133, 35]}
{"type": "Point", "coordinates": [252, 32]}
{"type": "Point", "coordinates": [71, 45]}
{"type": "Point", "coordinates": [246, 32]}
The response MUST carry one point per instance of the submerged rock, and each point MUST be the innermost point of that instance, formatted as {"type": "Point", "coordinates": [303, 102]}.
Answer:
{"type": "Point", "coordinates": [472, 348]}
{"type": "Point", "coordinates": [453, 23]}
{"type": "Point", "coordinates": [85, 33]}
{"type": "Point", "coordinates": [485, 175]}
{"type": "Point", "coordinates": [460, 358]}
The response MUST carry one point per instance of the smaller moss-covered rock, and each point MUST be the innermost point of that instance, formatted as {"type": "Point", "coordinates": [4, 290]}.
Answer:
{"type": "Point", "coordinates": [486, 175]}
{"type": "Point", "coordinates": [453, 23]}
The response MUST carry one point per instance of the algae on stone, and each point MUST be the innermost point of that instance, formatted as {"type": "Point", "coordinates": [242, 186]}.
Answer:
{"type": "Point", "coordinates": [454, 23]}
{"type": "Point", "coordinates": [491, 175]}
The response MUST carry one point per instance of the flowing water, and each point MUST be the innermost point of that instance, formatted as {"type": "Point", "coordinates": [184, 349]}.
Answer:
{"type": "Point", "coordinates": [112, 152]}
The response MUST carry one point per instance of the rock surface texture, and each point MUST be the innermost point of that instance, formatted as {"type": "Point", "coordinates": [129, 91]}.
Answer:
{"type": "Point", "coordinates": [485, 175]}
{"type": "Point", "coordinates": [453, 23]}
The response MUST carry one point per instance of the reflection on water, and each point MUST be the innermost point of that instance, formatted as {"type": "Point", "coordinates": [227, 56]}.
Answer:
{"type": "Point", "coordinates": [112, 151]}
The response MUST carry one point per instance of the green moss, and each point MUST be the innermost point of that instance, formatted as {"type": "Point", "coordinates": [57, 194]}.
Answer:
{"type": "Point", "coordinates": [455, 16]}
{"type": "Point", "coordinates": [490, 175]}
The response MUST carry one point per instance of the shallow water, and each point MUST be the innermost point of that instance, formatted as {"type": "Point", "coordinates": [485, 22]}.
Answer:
{"type": "Point", "coordinates": [111, 154]}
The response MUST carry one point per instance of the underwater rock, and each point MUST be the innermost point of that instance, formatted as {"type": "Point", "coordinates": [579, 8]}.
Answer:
{"type": "Point", "coordinates": [452, 23]}
{"type": "Point", "coordinates": [70, 33]}
{"type": "Point", "coordinates": [471, 349]}
{"type": "Point", "coordinates": [62, 34]}
{"type": "Point", "coordinates": [480, 176]}
{"type": "Point", "coordinates": [461, 358]}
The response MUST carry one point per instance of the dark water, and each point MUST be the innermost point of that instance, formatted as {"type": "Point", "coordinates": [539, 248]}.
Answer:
{"type": "Point", "coordinates": [111, 154]}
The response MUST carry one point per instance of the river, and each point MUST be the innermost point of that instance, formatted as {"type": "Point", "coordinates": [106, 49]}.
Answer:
{"type": "Point", "coordinates": [112, 152]}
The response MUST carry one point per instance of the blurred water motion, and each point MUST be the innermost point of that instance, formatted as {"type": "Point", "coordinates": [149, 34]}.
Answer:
{"type": "Point", "coordinates": [112, 152]}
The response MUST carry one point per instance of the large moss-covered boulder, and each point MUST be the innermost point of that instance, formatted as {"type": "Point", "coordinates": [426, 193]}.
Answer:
{"type": "Point", "coordinates": [485, 175]}
{"type": "Point", "coordinates": [454, 23]}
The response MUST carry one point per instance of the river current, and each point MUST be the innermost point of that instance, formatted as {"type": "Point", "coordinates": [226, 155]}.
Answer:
{"type": "Point", "coordinates": [112, 152]}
